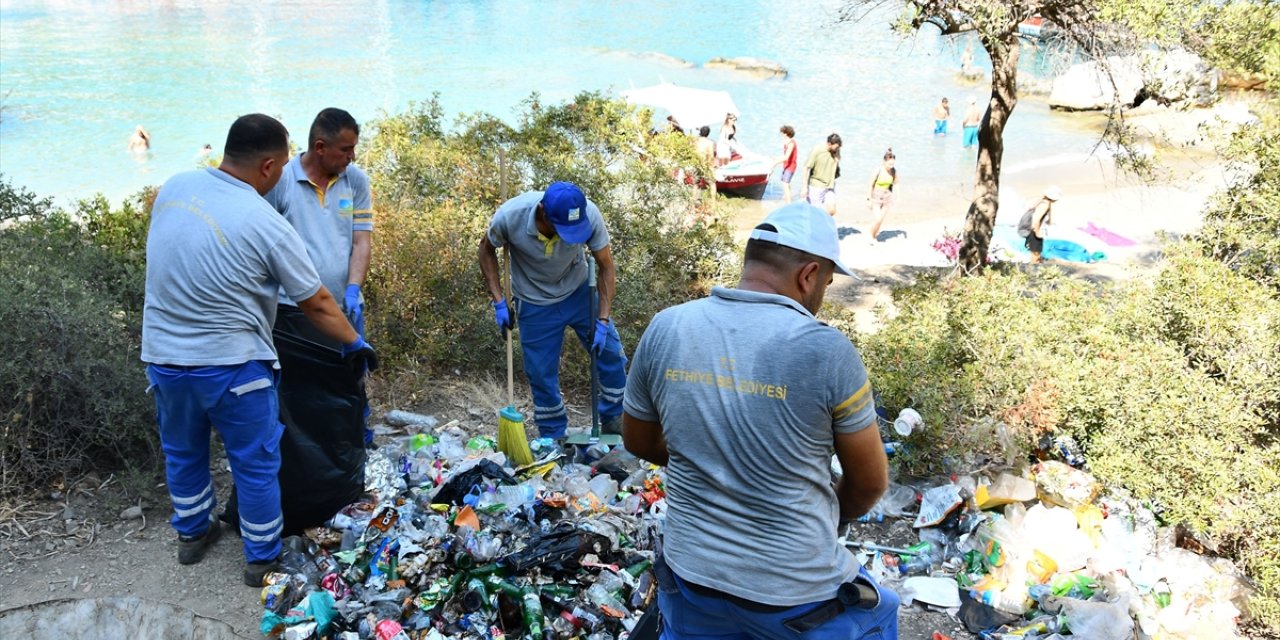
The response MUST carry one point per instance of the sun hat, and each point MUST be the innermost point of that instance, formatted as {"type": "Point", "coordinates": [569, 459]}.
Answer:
{"type": "Point", "coordinates": [566, 208]}
{"type": "Point", "coordinates": [806, 228]}
{"type": "Point", "coordinates": [1053, 193]}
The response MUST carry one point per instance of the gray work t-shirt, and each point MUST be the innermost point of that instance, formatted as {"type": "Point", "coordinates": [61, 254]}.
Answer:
{"type": "Point", "coordinates": [326, 219]}
{"type": "Point", "coordinates": [750, 390]}
{"type": "Point", "coordinates": [217, 257]}
{"type": "Point", "coordinates": [543, 270]}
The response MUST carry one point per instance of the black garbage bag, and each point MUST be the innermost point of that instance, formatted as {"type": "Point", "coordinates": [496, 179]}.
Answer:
{"type": "Point", "coordinates": [558, 550]}
{"type": "Point", "coordinates": [464, 482]}
{"type": "Point", "coordinates": [322, 400]}
{"type": "Point", "coordinates": [978, 617]}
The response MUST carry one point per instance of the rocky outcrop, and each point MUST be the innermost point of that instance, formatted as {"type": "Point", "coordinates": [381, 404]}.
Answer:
{"type": "Point", "coordinates": [1088, 87]}
{"type": "Point", "coordinates": [754, 66]}
{"type": "Point", "coordinates": [1170, 78]}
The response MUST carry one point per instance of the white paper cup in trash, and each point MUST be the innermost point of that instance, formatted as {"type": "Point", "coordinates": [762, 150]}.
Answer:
{"type": "Point", "coordinates": [908, 421]}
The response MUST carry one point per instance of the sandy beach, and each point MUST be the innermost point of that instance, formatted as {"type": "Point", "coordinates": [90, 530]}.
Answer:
{"type": "Point", "coordinates": [1094, 192]}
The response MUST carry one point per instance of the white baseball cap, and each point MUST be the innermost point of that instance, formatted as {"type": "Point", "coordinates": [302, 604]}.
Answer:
{"type": "Point", "coordinates": [806, 228]}
{"type": "Point", "coordinates": [1053, 193]}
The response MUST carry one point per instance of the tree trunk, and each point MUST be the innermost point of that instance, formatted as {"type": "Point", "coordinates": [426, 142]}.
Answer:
{"type": "Point", "coordinates": [981, 219]}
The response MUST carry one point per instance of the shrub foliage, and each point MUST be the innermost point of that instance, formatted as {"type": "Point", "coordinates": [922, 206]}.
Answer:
{"type": "Point", "coordinates": [73, 391]}
{"type": "Point", "coordinates": [437, 187]}
{"type": "Point", "coordinates": [1170, 385]}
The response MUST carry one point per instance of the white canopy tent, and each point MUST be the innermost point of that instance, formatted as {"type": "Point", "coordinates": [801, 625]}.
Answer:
{"type": "Point", "coordinates": [691, 107]}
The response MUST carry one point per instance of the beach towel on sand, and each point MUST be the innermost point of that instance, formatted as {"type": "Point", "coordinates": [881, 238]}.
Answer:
{"type": "Point", "coordinates": [1007, 237]}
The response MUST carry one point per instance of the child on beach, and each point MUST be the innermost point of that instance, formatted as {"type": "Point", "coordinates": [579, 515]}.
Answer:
{"type": "Point", "coordinates": [882, 183]}
{"type": "Point", "coordinates": [940, 115]}
{"type": "Point", "coordinates": [787, 160]}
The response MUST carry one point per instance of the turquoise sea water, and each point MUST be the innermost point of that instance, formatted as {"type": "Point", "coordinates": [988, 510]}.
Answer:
{"type": "Point", "coordinates": [77, 76]}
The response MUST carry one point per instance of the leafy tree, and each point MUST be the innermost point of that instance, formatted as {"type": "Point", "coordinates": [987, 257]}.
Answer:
{"type": "Point", "coordinates": [996, 22]}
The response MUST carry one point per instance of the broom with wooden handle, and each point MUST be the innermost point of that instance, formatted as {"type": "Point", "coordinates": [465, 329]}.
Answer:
{"type": "Point", "coordinates": [511, 438]}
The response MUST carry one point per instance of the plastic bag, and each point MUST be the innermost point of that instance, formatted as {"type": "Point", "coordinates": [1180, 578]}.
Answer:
{"type": "Point", "coordinates": [322, 401]}
{"type": "Point", "coordinates": [1063, 485]}
{"type": "Point", "coordinates": [1006, 489]}
{"type": "Point", "coordinates": [937, 503]}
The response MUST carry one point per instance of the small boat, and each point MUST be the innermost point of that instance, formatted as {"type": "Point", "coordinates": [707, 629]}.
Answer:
{"type": "Point", "coordinates": [746, 175]}
{"type": "Point", "coordinates": [1031, 27]}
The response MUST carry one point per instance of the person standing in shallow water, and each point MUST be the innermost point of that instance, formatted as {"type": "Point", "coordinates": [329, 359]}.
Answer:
{"type": "Point", "coordinates": [140, 141]}
{"type": "Point", "coordinates": [881, 196]}
{"type": "Point", "coordinates": [972, 118]}
{"type": "Point", "coordinates": [941, 114]}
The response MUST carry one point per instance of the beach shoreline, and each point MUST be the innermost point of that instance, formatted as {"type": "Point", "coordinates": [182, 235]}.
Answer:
{"type": "Point", "coordinates": [1095, 192]}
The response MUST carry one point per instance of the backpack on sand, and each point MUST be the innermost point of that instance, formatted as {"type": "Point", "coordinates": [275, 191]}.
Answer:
{"type": "Point", "coordinates": [1024, 225]}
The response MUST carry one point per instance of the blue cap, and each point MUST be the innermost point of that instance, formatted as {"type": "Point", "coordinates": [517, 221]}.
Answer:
{"type": "Point", "coordinates": [566, 208]}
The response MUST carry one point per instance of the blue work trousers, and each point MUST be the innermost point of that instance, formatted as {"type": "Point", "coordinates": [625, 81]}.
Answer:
{"type": "Point", "coordinates": [541, 339]}
{"type": "Point", "coordinates": [688, 615]}
{"type": "Point", "coordinates": [240, 402]}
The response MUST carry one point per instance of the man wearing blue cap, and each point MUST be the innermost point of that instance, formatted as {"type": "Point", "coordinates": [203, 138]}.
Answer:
{"type": "Point", "coordinates": [744, 396]}
{"type": "Point", "coordinates": [544, 232]}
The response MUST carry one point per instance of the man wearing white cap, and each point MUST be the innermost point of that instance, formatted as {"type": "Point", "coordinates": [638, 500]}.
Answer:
{"type": "Point", "coordinates": [744, 396]}
{"type": "Point", "coordinates": [546, 231]}
{"type": "Point", "coordinates": [1034, 221]}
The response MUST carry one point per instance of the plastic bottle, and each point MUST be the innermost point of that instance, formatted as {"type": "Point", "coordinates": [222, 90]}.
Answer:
{"type": "Point", "coordinates": [533, 615]}
{"type": "Point", "coordinates": [1012, 600]}
{"type": "Point", "coordinates": [517, 496]}
{"type": "Point", "coordinates": [604, 487]}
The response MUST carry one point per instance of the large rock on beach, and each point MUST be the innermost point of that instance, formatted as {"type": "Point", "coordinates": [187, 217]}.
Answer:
{"type": "Point", "coordinates": [1087, 87]}
{"type": "Point", "coordinates": [1171, 78]}
{"type": "Point", "coordinates": [754, 66]}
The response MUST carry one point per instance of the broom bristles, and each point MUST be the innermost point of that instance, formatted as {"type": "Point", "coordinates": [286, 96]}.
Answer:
{"type": "Point", "coordinates": [511, 438]}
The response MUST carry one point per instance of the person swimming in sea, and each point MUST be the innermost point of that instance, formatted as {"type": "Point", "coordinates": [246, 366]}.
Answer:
{"type": "Point", "coordinates": [140, 141]}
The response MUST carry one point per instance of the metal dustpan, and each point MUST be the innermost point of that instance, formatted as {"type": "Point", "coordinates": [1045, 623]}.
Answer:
{"type": "Point", "coordinates": [594, 437]}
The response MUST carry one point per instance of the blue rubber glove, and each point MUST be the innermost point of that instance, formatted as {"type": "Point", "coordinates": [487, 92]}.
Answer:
{"type": "Point", "coordinates": [502, 316]}
{"type": "Point", "coordinates": [354, 307]}
{"type": "Point", "coordinates": [601, 334]}
{"type": "Point", "coordinates": [360, 355]}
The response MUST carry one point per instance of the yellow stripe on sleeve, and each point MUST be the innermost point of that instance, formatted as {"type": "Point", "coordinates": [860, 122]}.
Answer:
{"type": "Point", "coordinates": [852, 409]}
{"type": "Point", "coordinates": [857, 395]}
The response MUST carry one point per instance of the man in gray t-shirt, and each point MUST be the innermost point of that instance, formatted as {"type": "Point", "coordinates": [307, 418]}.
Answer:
{"type": "Point", "coordinates": [745, 396]}
{"type": "Point", "coordinates": [546, 234]}
{"type": "Point", "coordinates": [217, 257]}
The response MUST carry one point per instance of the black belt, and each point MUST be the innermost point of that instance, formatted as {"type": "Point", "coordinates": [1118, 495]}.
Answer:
{"type": "Point", "coordinates": [860, 594]}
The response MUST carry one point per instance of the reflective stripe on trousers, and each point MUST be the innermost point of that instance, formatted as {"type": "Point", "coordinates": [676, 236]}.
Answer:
{"type": "Point", "coordinates": [541, 330]}
{"type": "Point", "coordinates": [240, 402]}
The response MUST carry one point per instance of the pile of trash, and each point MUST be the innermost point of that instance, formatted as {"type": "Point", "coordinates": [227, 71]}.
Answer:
{"type": "Point", "coordinates": [452, 541]}
{"type": "Point", "coordinates": [1043, 554]}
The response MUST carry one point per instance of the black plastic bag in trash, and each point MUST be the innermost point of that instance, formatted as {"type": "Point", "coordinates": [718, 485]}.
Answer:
{"type": "Point", "coordinates": [464, 482]}
{"type": "Point", "coordinates": [322, 401]}
{"type": "Point", "coordinates": [978, 617]}
{"type": "Point", "coordinates": [558, 550]}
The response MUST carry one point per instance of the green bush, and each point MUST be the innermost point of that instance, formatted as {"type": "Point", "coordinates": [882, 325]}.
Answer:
{"type": "Point", "coordinates": [73, 391]}
{"type": "Point", "coordinates": [436, 187]}
{"type": "Point", "coordinates": [1169, 385]}
{"type": "Point", "coordinates": [1242, 222]}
